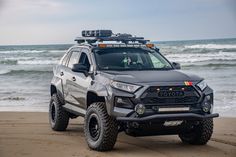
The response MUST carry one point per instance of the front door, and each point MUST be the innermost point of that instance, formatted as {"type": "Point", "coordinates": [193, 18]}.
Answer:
{"type": "Point", "coordinates": [80, 82]}
{"type": "Point", "coordinates": [69, 74]}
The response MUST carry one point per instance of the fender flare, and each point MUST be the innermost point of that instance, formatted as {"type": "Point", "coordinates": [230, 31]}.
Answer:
{"type": "Point", "coordinates": [56, 87]}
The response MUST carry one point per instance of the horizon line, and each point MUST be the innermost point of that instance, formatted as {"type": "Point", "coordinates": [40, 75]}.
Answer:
{"type": "Point", "coordinates": [154, 41]}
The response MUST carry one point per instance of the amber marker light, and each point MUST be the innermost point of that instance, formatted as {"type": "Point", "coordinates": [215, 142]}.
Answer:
{"type": "Point", "coordinates": [102, 45]}
{"type": "Point", "coordinates": [150, 45]}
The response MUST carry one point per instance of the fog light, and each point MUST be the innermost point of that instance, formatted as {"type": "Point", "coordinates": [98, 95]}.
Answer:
{"type": "Point", "coordinates": [206, 107]}
{"type": "Point", "coordinates": [207, 104]}
{"type": "Point", "coordinates": [140, 108]}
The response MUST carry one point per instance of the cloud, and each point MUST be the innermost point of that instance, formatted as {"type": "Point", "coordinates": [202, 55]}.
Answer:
{"type": "Point", "coordinates": [21, 8]}
{"type": "Point", "coordinates": [39, 4]}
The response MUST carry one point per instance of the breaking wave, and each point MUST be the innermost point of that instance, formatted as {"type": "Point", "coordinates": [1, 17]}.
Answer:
{"type": "Point", "coordinates": [199, 57]}
{"type": "Point", "coordinates": [7, 71]}
{"type": "Point", "coordinates": [21, 51]}
{"type": "Point", "coordinates": [211, 46]}
{"type": "Point", "coordinates": [28, 62]}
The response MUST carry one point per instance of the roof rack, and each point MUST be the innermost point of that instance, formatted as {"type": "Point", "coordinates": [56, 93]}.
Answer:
{"type": "Point", "coordinates": [92, 36]}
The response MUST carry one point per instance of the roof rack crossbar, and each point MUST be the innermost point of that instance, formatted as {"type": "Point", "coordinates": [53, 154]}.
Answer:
{"type": "Point", "coordinates": [91, 40]}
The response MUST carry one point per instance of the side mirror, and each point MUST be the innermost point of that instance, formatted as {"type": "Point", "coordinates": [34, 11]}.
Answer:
{"type": "Point", "coordinates": [80, 68]}
{"type": "Point", "coordinates": [176, 65]}
{"type": "Point", "coordinates": [157, 49]}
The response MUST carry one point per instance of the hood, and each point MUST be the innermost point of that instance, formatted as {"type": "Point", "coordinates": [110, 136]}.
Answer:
{"type": "Point", "coordinates": [151, 76]}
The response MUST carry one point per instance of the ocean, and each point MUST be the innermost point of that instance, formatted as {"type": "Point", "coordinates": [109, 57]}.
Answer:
{"type": "Point", "coordinates": [26, 71]}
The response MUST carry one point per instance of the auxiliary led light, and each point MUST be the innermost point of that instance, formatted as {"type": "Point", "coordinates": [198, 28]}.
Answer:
{"type": "Point", "coordinates": [140, 108]}
{"type": "Point", "coordinates": [206, 107]}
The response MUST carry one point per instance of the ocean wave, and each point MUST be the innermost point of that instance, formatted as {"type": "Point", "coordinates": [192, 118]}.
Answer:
{"type": "Point", "coordinates": [28, 62]}
{"type": "Point", "coordinates": [206, 64]}
{"type": "Point", "coordinates": [199, 57]}
{"type": "Point", "coordinates": [30, 51]}
{"type": "Point", "coordinates": [4, 71]}
{"type": "Point", "coordinates": [8, 62]}
{"type": "Point", "coordinates": [211, 46]}
{"type": "Point", "coordinates": [21, 51]}
{"type": "Point", "coordinates": [57, 51]}
{"type": "Point", "coordinates": [7, 71]}
{"type": "Point", "coordinates": [38, 62]}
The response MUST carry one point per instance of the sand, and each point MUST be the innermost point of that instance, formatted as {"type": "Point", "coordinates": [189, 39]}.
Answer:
{"type": "Point", "coordinates": [29, 134]}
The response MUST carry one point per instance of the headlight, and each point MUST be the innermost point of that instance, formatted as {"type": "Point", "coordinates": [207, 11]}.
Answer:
{"type": "Point", "coordinates": [125, 86]}
{"type": "Point", "coordinates": [202, 85]}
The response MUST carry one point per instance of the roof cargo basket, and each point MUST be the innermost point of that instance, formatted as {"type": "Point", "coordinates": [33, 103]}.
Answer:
{"type": "Point", "coordinates": [96, 33]}
{"type": "Point", "coordinates": [92, 36]}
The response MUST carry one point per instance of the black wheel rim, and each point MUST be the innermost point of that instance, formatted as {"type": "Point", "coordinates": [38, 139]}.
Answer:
{"type": "Point", "coordinates": [53, 112]}
{"type": "Point", "coordinates": [94, 127]}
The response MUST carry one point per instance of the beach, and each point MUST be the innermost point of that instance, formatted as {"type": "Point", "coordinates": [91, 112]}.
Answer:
{"type": "Point", "coordinates": [29, 134]}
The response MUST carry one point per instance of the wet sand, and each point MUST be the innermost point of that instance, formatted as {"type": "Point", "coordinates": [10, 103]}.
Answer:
{"type": "Point", "coordinates": [29, 134]}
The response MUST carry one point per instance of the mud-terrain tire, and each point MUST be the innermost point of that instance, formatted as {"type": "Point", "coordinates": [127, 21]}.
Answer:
{"type": "Point", "coordinates": [100, 129]}
{"type": "Point", "coordinates": [58, 117]}
{"type": "Point", "coordinates": [200, 134]}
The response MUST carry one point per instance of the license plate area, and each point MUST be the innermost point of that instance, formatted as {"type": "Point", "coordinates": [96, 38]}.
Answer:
{"type": "Point", "coordinates": [173, 123]}
{"type": "Point", "coordinates": [173, 109]}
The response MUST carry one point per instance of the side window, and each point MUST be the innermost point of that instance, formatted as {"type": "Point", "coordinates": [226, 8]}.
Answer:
{"type": "Point", "coordinates": [74, 58]}
{"type": "Point", "coordinates": [84, 60]}
{"type": "Point", "coordinates": [65, 58]}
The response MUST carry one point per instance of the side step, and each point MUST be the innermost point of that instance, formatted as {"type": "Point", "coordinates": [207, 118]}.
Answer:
{"type": "Point", "coordinates": [74, 109]}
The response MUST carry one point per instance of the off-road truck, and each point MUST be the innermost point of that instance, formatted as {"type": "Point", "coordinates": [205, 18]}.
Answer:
{"type": "Point", "coordinates": [120, 82]}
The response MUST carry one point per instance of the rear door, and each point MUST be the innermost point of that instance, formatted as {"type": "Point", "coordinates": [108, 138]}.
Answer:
{"type": "Point", "coordinates": [61, 72]}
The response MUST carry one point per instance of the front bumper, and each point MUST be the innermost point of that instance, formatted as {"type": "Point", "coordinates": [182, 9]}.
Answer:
{"type": "Point", "coordinates": [151, 113]}
{"type": "Point", "coordinates": [174, 116]}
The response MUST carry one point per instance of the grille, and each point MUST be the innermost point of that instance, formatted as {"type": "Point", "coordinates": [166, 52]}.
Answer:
{"type": "Point", "coordinates": [170, 95]}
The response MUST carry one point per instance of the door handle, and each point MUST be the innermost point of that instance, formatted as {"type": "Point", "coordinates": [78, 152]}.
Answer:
{"type": "Point", "coordinates": [61, 73]}
{"type": "Point", "coordinates": [73, 78]}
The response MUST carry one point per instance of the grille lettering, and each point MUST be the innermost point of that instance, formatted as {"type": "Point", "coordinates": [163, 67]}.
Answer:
{"type": "Point", "coordinates": [171, 94]}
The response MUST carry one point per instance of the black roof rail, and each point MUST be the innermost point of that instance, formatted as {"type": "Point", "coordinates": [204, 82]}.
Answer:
{"type": "Point", "coordinates": [92, 36]}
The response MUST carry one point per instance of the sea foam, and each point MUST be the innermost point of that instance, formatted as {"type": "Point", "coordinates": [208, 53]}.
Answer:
{"type": "Point", "coordinates": [211, 46]}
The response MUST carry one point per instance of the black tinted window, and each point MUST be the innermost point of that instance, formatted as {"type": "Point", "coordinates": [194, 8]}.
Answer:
{"type": "Point", "coordinates": [74, 58]}
{"type": "Point", "coordinates": [84, 60]}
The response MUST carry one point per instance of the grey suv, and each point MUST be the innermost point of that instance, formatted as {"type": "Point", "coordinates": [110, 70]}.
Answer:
{"type": "Point", "coordinates": [119, 82]}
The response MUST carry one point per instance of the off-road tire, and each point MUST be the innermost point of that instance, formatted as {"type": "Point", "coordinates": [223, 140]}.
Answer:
{"type": "Point", "coordinates": [58, 117]}
{"type": "Point", "coordinates": [200, 134]}
{"type": "Point", "coordinates": [106, 137]}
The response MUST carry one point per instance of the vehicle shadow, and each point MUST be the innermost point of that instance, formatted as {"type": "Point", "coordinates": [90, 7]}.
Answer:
{"type": "Point", "coordinates": [162, 145]}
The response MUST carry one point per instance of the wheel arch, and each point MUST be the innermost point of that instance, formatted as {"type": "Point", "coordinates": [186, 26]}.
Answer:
{"type": "Point", "coordinates": [92, 97]}
{"type": "Point", "coordinates": [54, 90]}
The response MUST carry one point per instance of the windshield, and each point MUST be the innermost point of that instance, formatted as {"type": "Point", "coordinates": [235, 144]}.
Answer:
{"type": "Point", "coordinates": [130, 59]}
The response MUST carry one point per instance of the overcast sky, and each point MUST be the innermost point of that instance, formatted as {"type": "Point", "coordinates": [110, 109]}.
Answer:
{"type": "Point", "coordinates": [60, 21]}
